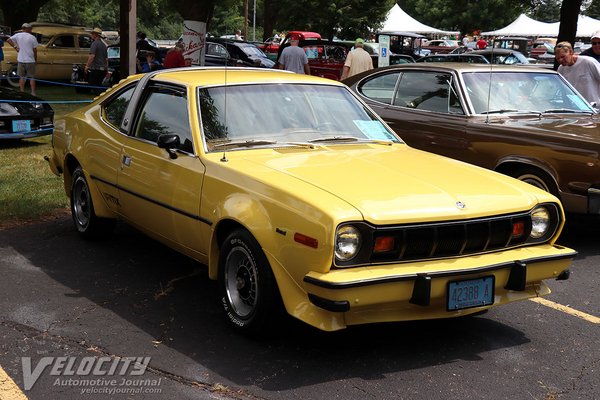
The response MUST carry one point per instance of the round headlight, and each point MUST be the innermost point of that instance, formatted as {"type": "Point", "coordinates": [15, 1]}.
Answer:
{"type": "Point", "coordinates": [540, 222]}
{"type": "Point", "coordinates": [347, 243]}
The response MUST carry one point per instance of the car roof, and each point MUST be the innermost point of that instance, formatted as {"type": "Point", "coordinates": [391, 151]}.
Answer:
{"type": "Point", "coordinates": [495, 50]}
{"type": "Point", "coordinates": [219, 76]}
{"type": "Point", "coordinates": [465, 67]}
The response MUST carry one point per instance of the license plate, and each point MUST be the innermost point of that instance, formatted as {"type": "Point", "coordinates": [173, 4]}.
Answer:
{"type": "Point", "coordinates": [470, 293]}
{"type": "Point", "coordinates": [21, 125]}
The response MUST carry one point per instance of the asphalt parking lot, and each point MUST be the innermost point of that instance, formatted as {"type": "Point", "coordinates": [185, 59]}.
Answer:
{"type": "Point", "coordinates": [129, 296]}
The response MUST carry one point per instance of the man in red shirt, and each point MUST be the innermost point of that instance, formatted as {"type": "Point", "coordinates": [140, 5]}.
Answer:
{"type": "Point", "coordinates": [481, 44]}
{"type": "Point", "coordinates": [174, 57]}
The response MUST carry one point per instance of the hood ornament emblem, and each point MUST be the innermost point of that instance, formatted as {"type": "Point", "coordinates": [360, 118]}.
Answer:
{"type": "Point", "coordinates": [460, 204]}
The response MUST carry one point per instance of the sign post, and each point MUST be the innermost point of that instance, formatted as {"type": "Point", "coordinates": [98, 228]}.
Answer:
{"type": "Point", "coordinates": [384, 51]}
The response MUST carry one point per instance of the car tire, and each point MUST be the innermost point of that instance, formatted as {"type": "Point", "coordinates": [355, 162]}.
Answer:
{"type": "Point", "coordinates": [249, 291]}
{"type": "Point", "coordinates": [537, 178]}
{"type": "Point", "coordinates": [87, 223]}
{"type": "Point", "coordinates": [12, 76]}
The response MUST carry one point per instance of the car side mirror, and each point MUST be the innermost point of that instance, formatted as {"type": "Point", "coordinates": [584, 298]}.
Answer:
{"type": "Point", "coordinates": [169, 142]}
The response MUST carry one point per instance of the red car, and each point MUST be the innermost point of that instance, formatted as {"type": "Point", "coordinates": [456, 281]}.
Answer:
{"type": "Point", "coordinates": [325, 58]}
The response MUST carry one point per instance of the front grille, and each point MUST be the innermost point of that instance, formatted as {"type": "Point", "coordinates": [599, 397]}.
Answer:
{"type": "Point", "coordinates": [449, 239]}
{"type": "Point", "coordinates": [442, 239]}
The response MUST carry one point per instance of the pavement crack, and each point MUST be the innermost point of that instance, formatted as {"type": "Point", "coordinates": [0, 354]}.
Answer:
{"type": "Point", "coordinates": [33, 333]}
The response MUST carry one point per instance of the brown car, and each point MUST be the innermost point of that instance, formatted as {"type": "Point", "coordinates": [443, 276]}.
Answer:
{"type": "Point", "coordinates": [525, 122]}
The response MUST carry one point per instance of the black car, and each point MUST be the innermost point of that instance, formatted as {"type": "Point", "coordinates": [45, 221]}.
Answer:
{"type": "Point", "coordinates": [219, 52]}
{"type": "Point", "coordinates": [24, 116]}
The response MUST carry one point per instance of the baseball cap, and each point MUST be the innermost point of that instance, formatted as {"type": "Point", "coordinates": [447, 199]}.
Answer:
{"type": "Point", "coordinates": [359, 41]}
{"type": "Point", "coordinates": [26, 25]}
{"type": "Point", "coordinates": [596, 35]}
{"type": "Point", "coordinates": [295, 37]}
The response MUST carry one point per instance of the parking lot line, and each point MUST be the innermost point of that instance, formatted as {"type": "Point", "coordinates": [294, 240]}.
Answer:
{"type": "Point", "coordinates": [9, 389]}
{"type": "Point", "coordinates": [568, 310]}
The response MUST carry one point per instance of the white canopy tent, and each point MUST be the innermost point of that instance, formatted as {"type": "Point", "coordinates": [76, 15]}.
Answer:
{"type": "Point", "coordinates": [398, 20]}
{"type": "Point", "coordinates": [586, 26]}
{"type": "Point", "coordinates": [525, 26]}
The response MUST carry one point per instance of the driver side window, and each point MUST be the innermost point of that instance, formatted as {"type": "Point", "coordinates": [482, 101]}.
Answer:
{"type": "Point", "coordinates": [165, 111]}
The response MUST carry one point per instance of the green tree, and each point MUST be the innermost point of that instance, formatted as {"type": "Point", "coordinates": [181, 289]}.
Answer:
{"type": "Point", "coordinates": [545, 10]}
{"type": "Point", "coordinates": [343, 18]}
{"type": "Point", "coordinates": [593, 10]}
{"type": "Point", "coordinates": [17, 12]}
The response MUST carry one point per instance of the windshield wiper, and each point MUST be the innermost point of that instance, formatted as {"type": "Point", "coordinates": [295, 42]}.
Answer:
{"type": "Point", "coordinates": [335, 139]}
{"type": "Point", "coordinates": [566, 111]}
{"type": "Point", "coordinates": [244, 143]}
{"type": "Point", "coordinates": [511, 111]}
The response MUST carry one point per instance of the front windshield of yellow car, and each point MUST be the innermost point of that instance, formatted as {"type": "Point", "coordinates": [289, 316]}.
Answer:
{"type": "Point", "coordinates": [286, 114]}
{"type": "Point", "coordinates": [502, 92]}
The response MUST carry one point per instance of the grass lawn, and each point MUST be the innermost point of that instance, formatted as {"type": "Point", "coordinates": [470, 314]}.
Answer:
{"type": "Point", "coordinates": [28, 189]}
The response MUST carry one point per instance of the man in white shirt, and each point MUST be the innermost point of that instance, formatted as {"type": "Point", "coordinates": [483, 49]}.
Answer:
{"type": "Point", "coordinates": [583, 73]}
{"type": "Point", "coordinates": [357, 61]}
{"type": "Point", "coordinates": [26, 45]}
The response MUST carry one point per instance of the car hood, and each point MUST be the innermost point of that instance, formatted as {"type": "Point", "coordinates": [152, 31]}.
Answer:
{"type": "Point", "coordinates": [392, 184]}
{"type": "Point", "coordinates": [582, 126]}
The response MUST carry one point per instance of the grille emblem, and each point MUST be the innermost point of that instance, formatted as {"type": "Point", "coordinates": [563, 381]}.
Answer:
{"type": "Point", "coordinates": [460, 204]}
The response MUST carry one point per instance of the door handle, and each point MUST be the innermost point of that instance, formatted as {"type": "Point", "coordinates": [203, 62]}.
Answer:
{"type": "Point", "coordinates": [126, 160]}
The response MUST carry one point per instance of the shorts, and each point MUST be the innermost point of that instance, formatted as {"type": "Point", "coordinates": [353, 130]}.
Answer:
{"type": "Point", "coordinates": [26, 70]}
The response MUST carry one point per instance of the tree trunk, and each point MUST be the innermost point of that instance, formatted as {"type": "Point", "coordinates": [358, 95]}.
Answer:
{"type": "Point", "coordinates": [569, 15]}
{"type": "Point", "coordinates": [197, 10]}
{"type": "Point", "coordinates": [269, 18]}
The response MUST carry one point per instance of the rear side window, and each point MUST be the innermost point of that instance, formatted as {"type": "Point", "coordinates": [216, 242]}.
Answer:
{"type": "Point", "coordinates": [64, 41]}
{"type": "Point", "coordinates": [85, 42]}
{"type": "Point", "coordinates": [114, 110]}
{"type": "Point", "coordinates": [380, 88]}
{"type": "Point", "coordinates": [431, 91]}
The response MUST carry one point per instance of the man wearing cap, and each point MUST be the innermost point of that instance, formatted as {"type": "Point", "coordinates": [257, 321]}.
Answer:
{"type": "Point", "coordinates": [357, 61]}
{"type": "Point", "coordinates": [293, 58]}
{"type": "Point", "coordinates": [593, 51]}
{"type": "Point", "coordinates": [97, 62]}
{"type": "Point", "coordinates": [26, 46]}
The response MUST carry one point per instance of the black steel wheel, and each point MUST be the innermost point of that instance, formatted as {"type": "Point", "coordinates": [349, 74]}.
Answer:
{"type": "Point", "coordinates": [86, 222]}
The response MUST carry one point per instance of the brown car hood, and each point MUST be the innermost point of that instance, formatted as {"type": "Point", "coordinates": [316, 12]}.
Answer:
{"type": "Point", "coordinates": [577, 126]}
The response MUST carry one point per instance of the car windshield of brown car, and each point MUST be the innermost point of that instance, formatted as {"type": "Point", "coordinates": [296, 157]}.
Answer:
{"type": "Point", "coordinates": [235, 117]}
{"type": "Point", "coordinates": [522, 92]}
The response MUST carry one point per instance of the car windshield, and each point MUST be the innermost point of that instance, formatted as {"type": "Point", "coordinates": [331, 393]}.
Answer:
{"type": "Point", "coordinates": [304, 113]}
{"type": "Point", "coordinates": [253, 51]}
{"type": "Point", "coordinates": [114, 52]}
{"type": "Point", "coordinates": [527, 91]}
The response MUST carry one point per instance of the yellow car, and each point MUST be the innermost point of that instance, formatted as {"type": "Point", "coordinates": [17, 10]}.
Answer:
{"type": "Point", "coordinates": [60, 46]}
{"type": "Point", "coordinates": [319, 207]}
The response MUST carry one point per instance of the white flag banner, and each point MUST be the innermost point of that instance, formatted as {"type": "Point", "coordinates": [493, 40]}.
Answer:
{"type": "Point", "coordinates": [194, 34]}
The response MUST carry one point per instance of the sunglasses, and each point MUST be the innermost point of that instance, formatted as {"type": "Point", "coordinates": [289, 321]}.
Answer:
{"type": "Point", "coordinates": [595, 43]}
